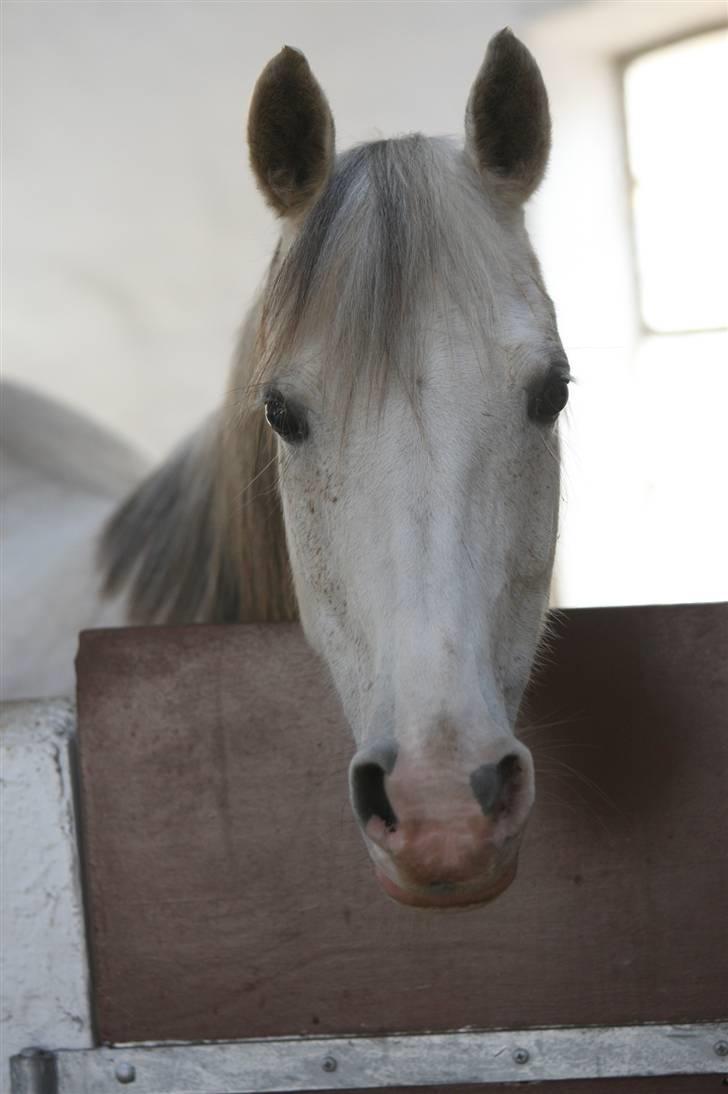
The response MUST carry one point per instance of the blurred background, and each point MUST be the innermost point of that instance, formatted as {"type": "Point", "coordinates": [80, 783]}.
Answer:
{"type": "Point", "coordinates": [134, 237]}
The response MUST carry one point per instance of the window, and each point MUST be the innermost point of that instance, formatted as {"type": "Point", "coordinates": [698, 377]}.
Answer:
{"type": "Point", "coordinates": [678, 161]}
{"type": "Point", "coordinates": [640, 280]}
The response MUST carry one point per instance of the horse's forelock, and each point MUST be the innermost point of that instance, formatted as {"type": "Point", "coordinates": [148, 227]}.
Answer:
{"type": "Point", "coordinates": [387, 240]}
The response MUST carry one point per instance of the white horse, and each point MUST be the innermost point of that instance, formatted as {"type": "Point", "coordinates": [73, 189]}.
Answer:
{"type": "Point", "coordinates": [397, 386]}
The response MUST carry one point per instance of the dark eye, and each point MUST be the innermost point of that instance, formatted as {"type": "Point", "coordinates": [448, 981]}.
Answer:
{"type": "Point", "coordinates": [287, 420]}
{"type": "Point", "coordinates": [545, 404]}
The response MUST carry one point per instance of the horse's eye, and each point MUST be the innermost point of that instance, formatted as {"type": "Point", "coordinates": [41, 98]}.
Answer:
{"type": "Point", "coordinates": [548, 401]}
{"type": "Point", "coordinates": [288, 421]}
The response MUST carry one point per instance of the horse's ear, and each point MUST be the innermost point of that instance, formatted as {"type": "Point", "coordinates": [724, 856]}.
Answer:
{"type": "Point", "coordinates": [290, 133]}
{"type": "Point", "coordinates": [507, 122]}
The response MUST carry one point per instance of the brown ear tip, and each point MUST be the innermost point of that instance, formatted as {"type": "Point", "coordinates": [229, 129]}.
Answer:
{"type": "Point", "coordinates": [288, 63]}
{"type": "Point", "coordinates": [506, 39]}
{"type": "Point", "coordinates": [292, 56]}
{"type": "Point", "coordinates": [507, 48]}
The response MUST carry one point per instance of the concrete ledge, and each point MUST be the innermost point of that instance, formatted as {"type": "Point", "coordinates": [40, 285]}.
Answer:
{"type": "Point", "coordinates": [44, 983]}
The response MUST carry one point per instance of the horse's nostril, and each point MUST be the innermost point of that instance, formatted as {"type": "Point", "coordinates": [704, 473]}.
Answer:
{"type": "Point", "coordinates": [509, 768]}
{"type": "Point", "coordinates": [369, 795]}
{"type": "Point", "coordinates": [495, 785]}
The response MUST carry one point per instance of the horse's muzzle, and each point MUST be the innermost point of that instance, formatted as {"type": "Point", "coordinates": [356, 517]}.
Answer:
{"type": "Point", "coordinates": [443, 835]}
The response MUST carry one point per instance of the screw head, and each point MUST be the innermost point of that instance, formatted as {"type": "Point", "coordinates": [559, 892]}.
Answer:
{"type": "Point", "coordinates": [329, 1063]}
{"type": "Point", "coordinates": [721, 1048]}
{"type": "Point", "coordinates": [521, 1056]}
{"type": "Point", "coordinates": [125, 1073]}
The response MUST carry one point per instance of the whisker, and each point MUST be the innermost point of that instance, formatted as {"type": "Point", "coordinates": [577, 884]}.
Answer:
{"type": "Point", "coordinates": [255, 478]}
{"type": "Point", "coordinates": [573, 772]}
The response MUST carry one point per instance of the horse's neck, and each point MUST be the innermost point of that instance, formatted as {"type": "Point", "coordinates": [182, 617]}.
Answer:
{"type": "Point", "coordinates": [202, 539]}
{"type": "Point", "coordinates": [62, 476]}
{"type": "Point", "coordinates": [54, 443]}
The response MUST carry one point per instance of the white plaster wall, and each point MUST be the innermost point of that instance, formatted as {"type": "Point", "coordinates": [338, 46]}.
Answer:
{"type": "Point", "coordinates": [44, 975]}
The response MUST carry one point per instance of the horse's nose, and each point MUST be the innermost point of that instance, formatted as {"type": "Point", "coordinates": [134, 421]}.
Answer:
{"type": "Point", "coordinates": [439, 826]}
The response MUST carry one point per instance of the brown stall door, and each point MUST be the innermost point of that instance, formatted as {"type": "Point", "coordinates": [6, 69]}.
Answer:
{"type": "Point", "coordinates": [230, 894]}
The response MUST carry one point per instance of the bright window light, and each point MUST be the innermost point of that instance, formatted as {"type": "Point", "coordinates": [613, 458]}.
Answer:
{"type": "Point", "coordinates": [675, 101]}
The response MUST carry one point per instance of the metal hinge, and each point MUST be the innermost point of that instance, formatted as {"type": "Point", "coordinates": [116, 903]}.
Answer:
{"type": "Point", "coordinates": [33, 1071]}
{"type": "Point", "coordinates": [289, 1065]}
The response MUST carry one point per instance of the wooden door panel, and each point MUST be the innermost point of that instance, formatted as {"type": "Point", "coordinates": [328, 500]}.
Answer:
{"type": "Point", "coordinates": [230, 894]}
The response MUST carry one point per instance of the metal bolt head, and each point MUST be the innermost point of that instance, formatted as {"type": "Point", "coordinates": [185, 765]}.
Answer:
{"type": "Point", "coordinates": [521, 1056]}
{"type": "Point", "coordinates": [721, 1048]}
{"type": "Point", "coordinates": [125, 1073]}
{"type": "Point", "coordinates": [329, 1063]}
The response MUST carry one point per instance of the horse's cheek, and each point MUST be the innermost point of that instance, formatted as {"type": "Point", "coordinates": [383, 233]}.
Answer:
{"type": "Point", "coordinates": [308, 554]}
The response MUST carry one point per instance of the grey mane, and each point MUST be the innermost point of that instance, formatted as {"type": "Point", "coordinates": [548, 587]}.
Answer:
{"type": "Point", "coordinates": [161, 539]}
{"type": "Point", "coordinates": [202, 538]}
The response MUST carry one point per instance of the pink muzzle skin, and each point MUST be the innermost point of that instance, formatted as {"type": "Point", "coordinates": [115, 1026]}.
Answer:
{"type": "Point", "coordinates": [449, 894]}
{"type": "Point", "coordinates": [443, 865]}
{"type": "Point", "coordinates": [444, 835]}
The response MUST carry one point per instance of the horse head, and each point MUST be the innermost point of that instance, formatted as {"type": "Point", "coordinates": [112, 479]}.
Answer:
{"type": "Point", "coordinates": [409, 365]}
